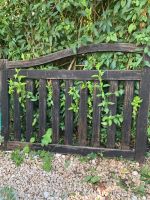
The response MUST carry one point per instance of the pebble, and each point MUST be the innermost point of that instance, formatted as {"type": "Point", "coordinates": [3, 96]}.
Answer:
{"type": "Point", "coordinates": [134, 198]}
{"type": "Point", "coordinates": [94, 162]}
{"type": "Point", "coordinates": [46, 194]}
{"type": "Point", "coordinates": [135, 173]}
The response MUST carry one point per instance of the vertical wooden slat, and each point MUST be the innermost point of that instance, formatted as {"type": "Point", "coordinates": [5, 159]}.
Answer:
{"type": "Point", "coordinates": [96, 116]}
{"type": "Point", "coordinates": [68, 115]}
{"type": "Point", "coordinates": [82, 127]}
{"type": "Point", "coordinates": [56, 111]}
{"type": "Point", "coordinates": [42, 107]}
{"type": "Point", "coordinates": [112, 129]}
{"type": "Point", "coordinates": [29, 111]}
{"type": "Point", "coordinates": [17, 121]}
{"type": "Point", "coordinates": [4, 99]}
{"type": "Point", "coordinates": [127, 114]}
{"type": "Point", "coordinates": [142, 119]}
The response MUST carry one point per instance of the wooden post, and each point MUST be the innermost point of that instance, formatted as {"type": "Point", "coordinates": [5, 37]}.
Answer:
{"type": "Point", "coordinates": [4, 99]}
{"type": "Point", "coordinates": [142, 119]}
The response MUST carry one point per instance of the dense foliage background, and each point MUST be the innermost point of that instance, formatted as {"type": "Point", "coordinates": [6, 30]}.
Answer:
{"type": "Point", "coordinates": [30, 29]}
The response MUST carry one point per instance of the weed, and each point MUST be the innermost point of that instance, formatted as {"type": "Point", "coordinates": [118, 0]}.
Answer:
{"type": "Point", "coordinates": [47, 158]}
{"type": "Point", "coordinates": [67, 163]}
{"type": "Point", "coordinates": [140, 190]}
{"type": "Point", "coordinates": [148, 154]}
{"type": "Point", "coordinates": [87, 158]}
{"type": "Point", "coordinates": [92, 179]}
{"type": "Point", "coordinates": [145, 174]}
{"type": "Point", "coordinates": [8, 193]}
{"type": "Point", "coordinates": [26, 149]}
{"type": "Point", "coordinates": [122, 183]}
{"type": "Point", "coordinates": [17, 157]}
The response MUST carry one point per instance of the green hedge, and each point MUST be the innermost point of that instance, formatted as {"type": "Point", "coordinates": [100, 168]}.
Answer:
{"type": "Point", "coordinates": [32, 28]}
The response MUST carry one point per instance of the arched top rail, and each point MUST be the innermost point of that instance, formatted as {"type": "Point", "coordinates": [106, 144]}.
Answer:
{"type": "Point", "coordinates": [92, 48]}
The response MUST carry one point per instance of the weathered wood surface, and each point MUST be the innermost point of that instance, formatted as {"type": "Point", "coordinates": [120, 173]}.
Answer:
{"type": "Point", "coordinates": [42, 108]}
{"type": "Point", "coordinates": [82, 124]}
{"type": "Point", "coordinates": [64, 149]}
{"type": "Point", "coordinates": [142, 119]}
{"type": "Point", "coordinates": [4, 99]}
{"type": "Point", "coordinates": [29, 111]}
{"type": "Point", "coordinates": [96, 116]}
{"type": "Point", "coordinates": [56, 111]}
{"type": "Point", "coordinates": [69, 76]}
{"type": "Point", "coordinates": [127, 114]}
{"type": "Point", "coordinates": [68, 114]}
{"type": "Point", "coordinates": [92, 48]}
{"type": "Point", "coordinates": [17, 117]}
{"type": "Point", "coordinates": [78, 74]}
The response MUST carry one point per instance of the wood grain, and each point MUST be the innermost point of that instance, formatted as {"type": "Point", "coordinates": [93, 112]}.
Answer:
{"type": "Point", "coordinates": [127, 114]}
{"type": "Point", "coordinates": [78, 74]}
{"type": "Point", "coordinates": [92, 48]}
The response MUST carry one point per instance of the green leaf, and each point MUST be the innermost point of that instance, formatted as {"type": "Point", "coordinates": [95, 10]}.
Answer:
{"type": "Point", "coordinates": [32, 140]}
{"type": "Point", "coordinates": [95, 76]}
{"type": "Point", "coordinates": [131, 28]}
{"type": "Point", "coordinates": [26, 149]}
{"type": "Point", "coordinates": [147, 63]}
{"type": "Point", "coordinates": [47, 138]}
{"type": "Point", "coordinates": [95, 179]}
{"type": "Point", "coordinates": [123, 3]}
{"type": "Point", "coordinates": [87, 178]}
{"type": "Point", "coordinates": [104, 123]}
{"type": "Point", "coordinates": [109, 122]}
{"type": "Point", "coordinates": [113, 37]}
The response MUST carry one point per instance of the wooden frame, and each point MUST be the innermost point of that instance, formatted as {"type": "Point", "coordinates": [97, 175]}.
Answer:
{"type": "Point", "coordinates": [143, 76]}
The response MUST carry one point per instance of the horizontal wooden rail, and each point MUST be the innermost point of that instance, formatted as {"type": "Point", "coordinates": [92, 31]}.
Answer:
{"type": "Point", "coordinates": [92, 48]}
{"type": "Point", "coordinates": [78, 74]}
{"type": "Point", "coordinates": [73, 149]}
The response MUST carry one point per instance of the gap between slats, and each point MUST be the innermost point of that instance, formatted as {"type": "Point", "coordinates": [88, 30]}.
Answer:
{"type": "Point", "coordinates": [112, 108]}
{"type": "Point", "coordinates": [29, 111]}
{"type": "Point", "coordinates": [68, 115]}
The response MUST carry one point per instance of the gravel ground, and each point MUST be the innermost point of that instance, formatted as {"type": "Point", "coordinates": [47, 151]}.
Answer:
{"type": "Point", "coordinates": [119, 179]}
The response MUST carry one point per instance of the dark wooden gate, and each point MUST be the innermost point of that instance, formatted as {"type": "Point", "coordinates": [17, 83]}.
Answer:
{"type": "Point", "coordinates": [113, 77]}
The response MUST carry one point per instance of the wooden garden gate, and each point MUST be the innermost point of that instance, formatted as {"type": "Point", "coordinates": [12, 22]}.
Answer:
{"type": "Point", "coordinates": [112, 76]}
